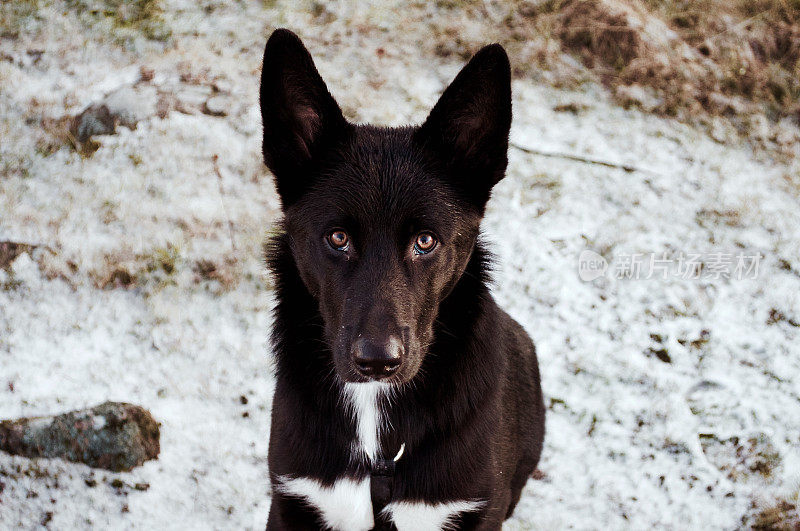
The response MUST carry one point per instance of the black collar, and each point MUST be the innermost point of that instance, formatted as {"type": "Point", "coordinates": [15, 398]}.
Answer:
{"type": "Point", "coordinates": [380, 488]}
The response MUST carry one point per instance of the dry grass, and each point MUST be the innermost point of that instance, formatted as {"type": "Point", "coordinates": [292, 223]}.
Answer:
{"type": "Point", "coordinates": [17, 17]}
{"type": "Point", "coordinates": [691, 59]}
{"type": "Point", "coordinates": [774, 515]}
{"type": "Point", "coordinates": [694, 57]}
{"type": "Point", "coordinates": [738, 60]}
{"type": "Point", "coordinates": [126, 18]}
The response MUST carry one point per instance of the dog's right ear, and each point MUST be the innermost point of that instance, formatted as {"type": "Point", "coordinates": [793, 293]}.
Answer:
{"type": "Point", "coordinates": [299, 115]}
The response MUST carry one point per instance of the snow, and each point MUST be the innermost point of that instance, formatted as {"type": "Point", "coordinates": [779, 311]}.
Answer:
{"type": "Point", "coordinates": [631, 441]}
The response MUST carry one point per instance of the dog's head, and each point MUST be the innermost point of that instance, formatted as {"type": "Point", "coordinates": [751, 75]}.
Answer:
{"type": "Point", "coordinates": [382, 222]}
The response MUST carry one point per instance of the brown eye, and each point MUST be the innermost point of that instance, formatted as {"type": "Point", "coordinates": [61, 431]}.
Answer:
{"type": "Point", "coordinates": [424, 243]}
{"type": "Point", "coordinates": [339, 240]}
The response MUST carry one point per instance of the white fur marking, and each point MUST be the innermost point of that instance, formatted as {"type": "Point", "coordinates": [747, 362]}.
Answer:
{"type": "Point", "coordinates": [345, 506]}
{"type": "Point", "coordinates": [408, 516]}
{"type": "Point", "coordinates": [400, 453]}
{"type": "Point", "coordinates": [367, 415]}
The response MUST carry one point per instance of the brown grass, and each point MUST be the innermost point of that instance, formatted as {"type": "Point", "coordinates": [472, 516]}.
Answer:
{"type": "Point", "coordinates": [691, 59]}
{"type": "Point", "coordinates": [775, 515]}
{"type": "Point", "coordinates": [720, 57]}
{"type": "Point", "coordinates": [17, 17]}
{"type": "Point", "coordinates": [731, 61]}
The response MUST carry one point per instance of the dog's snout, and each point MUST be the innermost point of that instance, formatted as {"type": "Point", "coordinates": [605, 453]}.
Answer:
{"type": "Point", "coordinates": [377, 359]}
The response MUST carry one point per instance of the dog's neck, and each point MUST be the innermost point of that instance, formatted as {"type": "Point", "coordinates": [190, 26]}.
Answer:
{"type": "Point", "coordinates": [384, 418]}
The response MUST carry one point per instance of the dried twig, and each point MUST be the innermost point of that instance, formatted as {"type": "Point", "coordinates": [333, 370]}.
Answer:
{"type": "Point", "coordinates": [215, 160]}
{"type": "Point", "coordinates": [577, 158]}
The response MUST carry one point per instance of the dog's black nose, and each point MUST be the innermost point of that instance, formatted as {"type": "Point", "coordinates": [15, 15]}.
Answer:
{"type": "Point", "coordinates": [375, 359]}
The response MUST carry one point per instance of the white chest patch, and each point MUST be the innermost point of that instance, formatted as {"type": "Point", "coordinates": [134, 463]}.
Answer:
{"type": "Point", "coordinates": [345, 506]}
{"type": "Point", "coordinates": [408, 516]}
{"type": "Point", "coordinates": [363, 402]}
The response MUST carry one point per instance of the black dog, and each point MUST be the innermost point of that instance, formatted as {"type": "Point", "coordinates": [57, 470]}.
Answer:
{"type": "Point", "coordinates": [406, 398]}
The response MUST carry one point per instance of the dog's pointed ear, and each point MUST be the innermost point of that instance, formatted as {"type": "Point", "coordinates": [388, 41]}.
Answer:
{"type": "Point", "coordinates": [298, 113]}
{"type": "Point", "coordinates": [468, 127]}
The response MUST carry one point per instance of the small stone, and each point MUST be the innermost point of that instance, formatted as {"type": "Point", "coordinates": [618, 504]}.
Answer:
{"type": "Point", "coordinates": [141, 486]}
{"type": "Point", "coordinates": [216, 106]}
{"type": "Point", "coordinates": [94, 120]}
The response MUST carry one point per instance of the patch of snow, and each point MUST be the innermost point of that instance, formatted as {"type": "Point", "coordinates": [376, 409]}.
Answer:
{"type": "Point", "coordinates": [632, 441]}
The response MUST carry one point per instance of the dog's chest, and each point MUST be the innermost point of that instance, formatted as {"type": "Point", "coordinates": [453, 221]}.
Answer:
{"type": "Point", "coordinates": [346, 505]}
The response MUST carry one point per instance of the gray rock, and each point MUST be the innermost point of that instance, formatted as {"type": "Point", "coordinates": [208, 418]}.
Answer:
{"type": "Point", "coordinates": [114, 436]}
{"type": "Point", "coordinates": [126, 106]}
{"type": "Point", "coordinates": [94, 120]}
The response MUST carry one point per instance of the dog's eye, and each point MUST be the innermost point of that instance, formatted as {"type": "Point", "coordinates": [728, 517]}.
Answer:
{"type": "Point", "coordinates": [424, 243]}
{"type": "Point", "coordinates": [339, 240]}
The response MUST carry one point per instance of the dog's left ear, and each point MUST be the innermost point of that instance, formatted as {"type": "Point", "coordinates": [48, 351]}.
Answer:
{"type": "Point", "coordinates": [469, 125]}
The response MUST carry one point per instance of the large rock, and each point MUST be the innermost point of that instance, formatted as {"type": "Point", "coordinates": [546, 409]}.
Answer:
{"type": "Point", "coordinates": [126, 106]}
{"type": "Point", "coordinates": [114, 436]}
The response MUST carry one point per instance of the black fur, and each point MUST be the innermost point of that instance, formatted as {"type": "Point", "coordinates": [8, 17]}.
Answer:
{"type": "Point", "coordinates": [467, 401]}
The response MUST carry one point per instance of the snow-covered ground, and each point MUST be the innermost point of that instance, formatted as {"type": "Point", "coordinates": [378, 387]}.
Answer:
{"type": "Point", "coordinates": [673, 402]}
